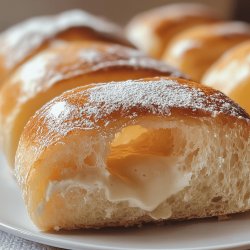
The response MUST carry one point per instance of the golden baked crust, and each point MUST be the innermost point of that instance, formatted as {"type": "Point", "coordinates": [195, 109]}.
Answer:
{"type": "Point", "coordinates": [231, 74]}
{"type": "Point", "coordinates": [69, 61]}
{"type": "Point", "coordinates": [196, 49]}
{"type": "Point", "coordinates": [99, 107]}
{"type": "Point", "coordinates": [61, 68]}
{"type": "Point", "coordinates": [24, 40]}
{"type": "Point", "coordinates": [160, 25]}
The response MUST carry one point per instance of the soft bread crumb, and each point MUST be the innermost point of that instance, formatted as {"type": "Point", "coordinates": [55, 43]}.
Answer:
{"type": "Point", "coordinates": [216, 155]}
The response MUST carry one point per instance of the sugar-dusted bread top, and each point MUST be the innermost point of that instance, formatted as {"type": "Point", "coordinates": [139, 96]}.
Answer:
{"type": "Point", "coordinates": [63, 67]}
{"type": "Point", "coordinates": [22, 41]}
{"type": "Point", "coordinates": [99, 107]}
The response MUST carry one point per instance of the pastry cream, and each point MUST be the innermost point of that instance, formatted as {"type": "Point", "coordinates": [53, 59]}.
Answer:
{"type": "Point", "coordinates": [143, 170]}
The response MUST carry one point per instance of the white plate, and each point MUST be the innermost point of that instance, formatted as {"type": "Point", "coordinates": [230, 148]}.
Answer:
{"type": "Point", "coordinates": [202, 234]}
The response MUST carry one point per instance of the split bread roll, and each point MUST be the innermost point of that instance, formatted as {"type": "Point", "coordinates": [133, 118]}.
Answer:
{"type": "Point", "coordinates": [152, 30]}
{"type": "Point", "coordinates": [61, 68]}
{"type": "Point", "coordinates": [134, 151]}
{"type": "Point", "coordinates": [231, 75]}
{"type": "Point", "coordinates": [196, 49]}
{"type": "Point", "coordinates": [24, 40]}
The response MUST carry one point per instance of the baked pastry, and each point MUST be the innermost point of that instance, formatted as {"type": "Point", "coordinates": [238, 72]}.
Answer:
{"type": "Point", "coordinates": [134, 151]}
{"type": "Point", "coordinates": [231, 75]}
{"type": "Point", "coordinates": [61, 68]}
{"type": "Point", "coordinates": [196, 49]}
{"type": "Point", "coordinates": [152, 30]}
{"type": "Point", "coordinates": [24, 40]}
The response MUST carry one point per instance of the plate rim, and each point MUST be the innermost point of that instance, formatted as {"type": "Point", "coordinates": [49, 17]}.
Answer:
{"type": "Point", "coordinates": [50, 241]}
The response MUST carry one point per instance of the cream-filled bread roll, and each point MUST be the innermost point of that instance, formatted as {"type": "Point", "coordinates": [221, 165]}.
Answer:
{"type": "Point", "coordinates": [196, 49]}
{"type": "Point", "coordinates": [153, 30]}
{"type": "Point", "coordinates": [231, 75]}
{"type": "Point", "coordinates": [61, 68]}
{"type": "Point", "coordinates": [134, 151]}
{"type": "Point", "coordinates": [24, 40]}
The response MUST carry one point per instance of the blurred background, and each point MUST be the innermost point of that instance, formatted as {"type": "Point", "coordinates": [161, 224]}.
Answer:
{"type": "Point", "coordinates": [120, 11]}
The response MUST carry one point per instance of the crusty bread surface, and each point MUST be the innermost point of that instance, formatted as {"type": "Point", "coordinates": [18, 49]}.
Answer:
{"type": "Point", "coordinates": [231, 75]}
{"type": "Point", "coordinates": [153, 30]}
{"type": "Point", "coordinates": [196, 49]}
{"type": "Point", "coordinates": [61, 68]}
{"type": "Point", "coordinates": [22, 41]}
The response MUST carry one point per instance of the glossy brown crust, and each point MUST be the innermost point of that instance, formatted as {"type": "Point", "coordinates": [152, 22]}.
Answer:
{"type": "Point", "coordinates": [167, 21]}
{"type": "Point", "coordinates": [24, 40]}
{"type": "Point", "coordinates": [100, 108]}
{"type": "Point", "coordinates": [194, 50]}
{"type": "Point", "coordinates": [69, 61]}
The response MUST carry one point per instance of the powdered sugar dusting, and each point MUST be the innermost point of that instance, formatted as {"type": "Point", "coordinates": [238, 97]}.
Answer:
{"type": "Point", "coordinates": [20, 40]}
{"type": "Point", "coordinates": [72, 60]}
{"type": "Point", "coordinates": [158, 97]}
{"type": "Point", "coordinates": [59, 111]}
{"type": "Point", "coordinates": [99, 106]}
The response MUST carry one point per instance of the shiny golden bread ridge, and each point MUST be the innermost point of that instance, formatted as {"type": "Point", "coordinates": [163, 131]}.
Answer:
{"type": "Point", "coordinates": [231, 75]}
{"type": "Point", "coordinates": [153, 30]}
{"type": "Point", "coordinates": [193, 51]}
{"type": "Point", "coordinates": [134, 151]}
{"type": "Point", "coordinates": [63, 67]}
{"type": "Point", "coordinates": [24, 40]}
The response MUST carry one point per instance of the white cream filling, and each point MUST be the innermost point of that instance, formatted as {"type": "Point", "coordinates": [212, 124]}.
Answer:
{"type": "Point", "coordinates": [150, 187]}
{"type": "Point", "coordinates": [148, 180]}
{"type": "Point", "coordinates": [153, 182]}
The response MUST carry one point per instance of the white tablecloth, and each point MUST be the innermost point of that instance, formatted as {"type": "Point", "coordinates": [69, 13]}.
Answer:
{"type": "Point", "coordinates": [11, 242]}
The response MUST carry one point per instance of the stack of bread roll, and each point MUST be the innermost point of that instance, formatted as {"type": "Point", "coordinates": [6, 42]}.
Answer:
{"type": "Point", "coordinates": [196, 41]}
{"type": "Point", "coordinates": [99, 134]}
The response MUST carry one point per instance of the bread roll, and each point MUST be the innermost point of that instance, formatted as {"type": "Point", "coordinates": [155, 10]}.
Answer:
{"type": "Point", "coordinates": [196, 49]}
{"type": "Point", "coordinates": [134, 151]}
{"type": "Point", "coordinates": [231, 75]}
{"type": "Point", "coordinates": [61, 68]}
{"type": "Point", "coordinates": [24, 40]}
{"type": "Point", "coordinates": [152, 30]}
